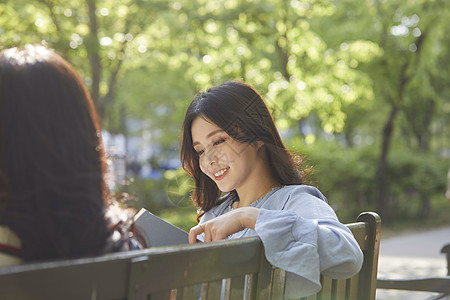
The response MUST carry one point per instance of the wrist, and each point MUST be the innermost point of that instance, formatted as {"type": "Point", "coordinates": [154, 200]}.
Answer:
{"type": "Point", "coordinates": [249, 215]}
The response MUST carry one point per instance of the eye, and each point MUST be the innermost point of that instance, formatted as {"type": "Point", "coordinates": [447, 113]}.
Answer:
{"type": "Point", "coordinates": [200, 152]}
{"type": "Point", "coordinates": [218, 142]}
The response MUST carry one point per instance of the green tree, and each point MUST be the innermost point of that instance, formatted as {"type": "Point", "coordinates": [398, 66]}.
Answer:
{"type": "Point", "coordinates": [97, 36]}
{"type": "Point", "coordinates": [407, 77]}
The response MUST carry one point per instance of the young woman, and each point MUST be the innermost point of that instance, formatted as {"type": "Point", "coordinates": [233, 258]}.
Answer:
{"type": "Point", "coordinates": [53, 199]}
{"type": "Point", "coordinates": [248, 184]}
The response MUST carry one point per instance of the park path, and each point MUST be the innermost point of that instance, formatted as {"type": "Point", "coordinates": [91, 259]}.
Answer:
{"type": "Point", "coordinates": [412, 255]}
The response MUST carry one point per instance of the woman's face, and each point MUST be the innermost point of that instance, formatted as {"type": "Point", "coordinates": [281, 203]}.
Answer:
{"type": "Point", "coordinates": [228, 162]}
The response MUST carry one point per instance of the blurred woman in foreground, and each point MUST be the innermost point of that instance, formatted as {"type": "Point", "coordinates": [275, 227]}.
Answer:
{"type": "Point", "coordinates": [54, 202]}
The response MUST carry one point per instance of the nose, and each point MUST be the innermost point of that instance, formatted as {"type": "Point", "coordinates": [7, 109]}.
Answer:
{"type": "Point", "coordinates": [211, 156]}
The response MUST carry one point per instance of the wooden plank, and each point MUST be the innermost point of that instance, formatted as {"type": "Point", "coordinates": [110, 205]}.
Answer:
{"type": "Point", "coordinates": [106, 277]}
{"type": "Point", "coordinates": [325, 292]}
{"type": "Point", "coordinates": [181, 267]}
{"type": "Point", "coordinates": [359, 231]}
{"type": "Point", "coordinates": [351, 290]}
{"type": "Point", "coordinates": [368, 275]}
{"type": "Point", "coordinates": [189, 292]}
{"type": "Point", "coordinates": [429, 284]}
{"type": "Point", "coordinates": [264, 283]}
{"type": "Point", "coordinates": [332, 289]}
{"type": "Point", "coordinates": [237, 286]}
{"type": "Point", "coordinates": [226, 289]}
{"type": "Point", "coordinates": [250, 287]}
{"type": "Point", "coordinates": [214, 290]}
{"type": "Point", "coordinates": [278, 282]}
{"type": "Point", "coordinates": [204, 291]}
{"type": "Point", "coordinates": [161, 295]}
{"type": "Point", "coordinates": [338, 289]}
{"type": "Point", "coordinates": [99, 278]}
{"type": "Point", "coordinates": [177, 294]}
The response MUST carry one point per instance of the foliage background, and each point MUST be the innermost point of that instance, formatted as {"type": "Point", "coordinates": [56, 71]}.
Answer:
{"type": "Point", "coordinates": [359, 87]}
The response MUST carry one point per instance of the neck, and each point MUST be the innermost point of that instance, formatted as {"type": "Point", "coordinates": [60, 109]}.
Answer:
{"type": "Point", "coordinates": [258, 184]}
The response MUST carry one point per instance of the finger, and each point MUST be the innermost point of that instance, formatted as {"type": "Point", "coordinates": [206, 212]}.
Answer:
{"type": "Point", "coordinates": [207, 237]}
{"type": "Point", "coordinates": [196, 230]}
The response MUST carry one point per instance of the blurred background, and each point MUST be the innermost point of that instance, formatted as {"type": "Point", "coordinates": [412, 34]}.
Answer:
{"type": "Point", "coordinates": [361, 88]}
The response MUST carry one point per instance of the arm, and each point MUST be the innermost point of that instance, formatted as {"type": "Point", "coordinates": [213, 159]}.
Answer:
{"type": "Point", "coordinates": [306, 239]}
{"type": "Point", "coordinates": [221, 227]}
{"type": "Point", "coordinates": [340, 255]}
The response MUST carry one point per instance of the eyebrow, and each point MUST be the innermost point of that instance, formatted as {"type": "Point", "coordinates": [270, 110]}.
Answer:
{"type": "Point", "coordinates": [208, 136]}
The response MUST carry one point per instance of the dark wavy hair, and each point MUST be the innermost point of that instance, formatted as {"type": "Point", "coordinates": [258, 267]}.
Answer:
{"type": "Point", "coordinates": [52, 189]}
{"type": "Point", "coordinates": [240, 111]}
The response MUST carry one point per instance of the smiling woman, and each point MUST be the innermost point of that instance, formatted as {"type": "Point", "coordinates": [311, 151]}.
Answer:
{"type": "Point", "coordinates": [248, 184]}
{"type": "Point", "coordinates": [228, 162]}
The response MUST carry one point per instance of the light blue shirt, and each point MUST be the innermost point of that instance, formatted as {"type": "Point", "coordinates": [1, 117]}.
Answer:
{"type": "Point", "coordinates": [302, 235]}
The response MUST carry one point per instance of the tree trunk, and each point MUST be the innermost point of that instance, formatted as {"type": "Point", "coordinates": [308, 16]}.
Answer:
{"type": "Point", "coordinates": [381, 175]}
{"type": "Point", "coordinates": [426, 206]}
{"type": "Point", "coordinates": [124, 130]}
{"type": "Point", "coordinates": [93, 46]}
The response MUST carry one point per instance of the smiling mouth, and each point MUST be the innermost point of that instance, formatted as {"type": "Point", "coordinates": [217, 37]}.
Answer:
{"type": "Point", "coordinates": [220, 173]}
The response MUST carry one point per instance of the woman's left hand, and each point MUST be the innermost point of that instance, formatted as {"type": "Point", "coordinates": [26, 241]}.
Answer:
{"type": "Point", "coordinates": [221, 227]}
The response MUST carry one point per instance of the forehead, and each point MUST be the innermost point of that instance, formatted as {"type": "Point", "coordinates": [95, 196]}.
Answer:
{"type": "Point", "coordinates": [202, 129]}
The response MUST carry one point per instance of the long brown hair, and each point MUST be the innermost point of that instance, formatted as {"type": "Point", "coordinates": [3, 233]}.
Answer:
{"type": "Point", "coordinates": [52, 189]}
{"type": "Point", "coordinates": [240, 111]}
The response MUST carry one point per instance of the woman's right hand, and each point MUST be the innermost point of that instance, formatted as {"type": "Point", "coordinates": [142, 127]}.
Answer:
{"type": "Point", "coordinates": [221, 227]}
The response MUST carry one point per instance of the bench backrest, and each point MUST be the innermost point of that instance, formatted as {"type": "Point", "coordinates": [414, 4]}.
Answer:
{"type": "Point", "coordinates": [232, 269]}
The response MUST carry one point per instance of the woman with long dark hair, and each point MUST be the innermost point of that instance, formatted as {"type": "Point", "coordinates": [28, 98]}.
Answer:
{"type": "Point", "coordinates": [248, 184]}
{"type": "Point", "coordinates": [54, 202]}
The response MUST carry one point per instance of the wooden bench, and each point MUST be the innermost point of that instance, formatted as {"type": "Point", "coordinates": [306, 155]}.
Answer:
{"type": "Point", "coordinates": [231, 269]}
{"type": "Point", "coordinates": [428, 284]}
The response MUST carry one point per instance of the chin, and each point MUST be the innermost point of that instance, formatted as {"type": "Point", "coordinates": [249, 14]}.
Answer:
{"type": "Point", "coordinates": [225, 189]}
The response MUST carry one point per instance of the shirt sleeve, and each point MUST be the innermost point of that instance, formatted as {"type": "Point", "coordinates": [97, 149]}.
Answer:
{"type": "Point", "coordinates": [306, 239]}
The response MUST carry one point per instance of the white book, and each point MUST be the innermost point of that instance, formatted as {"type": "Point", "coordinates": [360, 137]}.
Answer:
{"type": "Point", "coordinates": [157, 232]}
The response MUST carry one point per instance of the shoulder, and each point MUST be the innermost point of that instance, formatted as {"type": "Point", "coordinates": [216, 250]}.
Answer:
{"type": "Point", "coordinates": [303, 191]}
{"type": "Point", "coordinates": [291, 196]}
{"type": "Point", "coordinates": [306, 201]}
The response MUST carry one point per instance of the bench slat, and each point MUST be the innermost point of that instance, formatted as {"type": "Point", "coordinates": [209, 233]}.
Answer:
{"type": "Point", "coordinates": [68, 282]}
{"type": "Point", "coordinates": [429, 284]}
{"type": "Point", "coordinates": [354, 284]}
{"type": "Point", "coordinates": [237, 285]}
{"type": "Point", "coordinates": [339, 289]}
{"type": "Point", "coordinates": [360, 231]}
{"type": "Point", "coordinates": [214, 289]}
{"type": "Point", "coordinates": [325, 293]}
{"type": "Point", "coordinates": [264, 284]}
{"type": "Point", "coordinates": [250, 286]}
{"type": "Point", "coordinates": [278, 281]}
{"type": "Point", "coordinates": [188, 292]}
{"type": "Point", "coordinates": [176, 268]}
{"type": "Point", "coordinates": [161, 295]}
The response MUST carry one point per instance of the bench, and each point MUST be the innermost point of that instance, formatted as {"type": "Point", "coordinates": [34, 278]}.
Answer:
{"type": "Point", "coordinates": [428, 284]}
{"type": "Point", "coordinates": [230, 269]}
